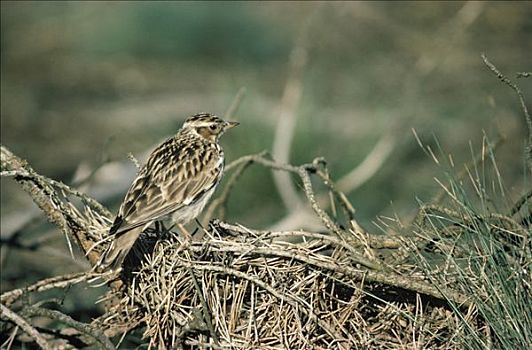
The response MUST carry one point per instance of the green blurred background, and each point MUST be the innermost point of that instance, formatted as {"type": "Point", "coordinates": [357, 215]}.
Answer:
{"type": "Point", "coordinates": [84, 83]}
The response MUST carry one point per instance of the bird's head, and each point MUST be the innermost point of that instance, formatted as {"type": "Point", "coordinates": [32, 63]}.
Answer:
{"type": "Point", "coordinates": [208, 125]}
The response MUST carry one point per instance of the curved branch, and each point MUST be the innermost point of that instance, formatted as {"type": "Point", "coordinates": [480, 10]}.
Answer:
{"type": "Point", "coordinates": [65, 319]}
{"type": "Point", "coordinates": [286, 124]}
{"type": "Point", "coordinates": [26, 327]}
{"type": "Point", "coordinates": [369, 166]}
{"type": "Point", "coordinates": [528, 119]}
{"type": "Point", "coordinates": [48, 200]}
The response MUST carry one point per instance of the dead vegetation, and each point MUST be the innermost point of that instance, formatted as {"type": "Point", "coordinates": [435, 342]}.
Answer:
{"type": "Point", "coordinates": [436, 282]}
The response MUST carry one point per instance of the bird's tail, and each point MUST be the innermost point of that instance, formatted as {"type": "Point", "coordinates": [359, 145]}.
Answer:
{"type": "Point", "coordinates": [113, 257]}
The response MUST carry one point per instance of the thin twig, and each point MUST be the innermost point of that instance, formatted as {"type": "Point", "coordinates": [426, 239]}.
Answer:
{"type": "Point", "coordinates": [235, 103]}
{"type": "Point", "coordinates": [205, 308]}
{"type": "Point", "coordinates": [302, 171]}
{"type": "Point", "coordinates": [385, 277]}
{"type": "Point", "coordinates": [221, 200]}
{"type": "Point", "coordinates": [375, 241]}
{"type": "Point", "coordinates": [348, 245]}
{"type": "Point", "coordinates": [521, 202]}
{"type": "Point", "coordinates": [309, 192]}
{"type": "Point", "coordinates": [285, 297]}
{"type": "Point", "coordinates": [521, 98]}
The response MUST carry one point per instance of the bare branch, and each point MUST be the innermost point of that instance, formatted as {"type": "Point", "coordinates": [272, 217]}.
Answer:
{"type": "Point", "coordinates": [65, 319]}
{"type": "Point", "coordinates": [520, 203]}
{"type": "Point", "coordinates": [528, 119]}
{"type": "Point", "coordinates": [235, 103]}
{"type": "Point", "coordinates": [284, 132]}
{"type": "Point", "coordinates": [25, 326]}
{"type": "Point", "coordinates": [375, 242]}
{"type": "Point", "coordinates": [48, 200]}
{"type": "Point", "coordinates": [220, 201]}
{"type": "Point", "coordinates": [63, 281]}
{"type": "Point", "coordinates": [369, 166]}
{"type": "Point", "coordinates": [281, 296]}
{"type": "Point", "coordinates": [307, 185]}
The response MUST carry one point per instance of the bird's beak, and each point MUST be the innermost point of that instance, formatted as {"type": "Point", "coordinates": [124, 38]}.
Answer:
{"type": "Point", "coordinates": [230, 125]}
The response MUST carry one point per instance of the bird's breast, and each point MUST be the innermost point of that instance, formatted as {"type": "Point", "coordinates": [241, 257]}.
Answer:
{"type": "Point", "coordinates": [191, 211]}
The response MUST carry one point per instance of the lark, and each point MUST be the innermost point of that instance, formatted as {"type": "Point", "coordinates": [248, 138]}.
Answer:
{"type": "Point", "coordinates": [176, 183]}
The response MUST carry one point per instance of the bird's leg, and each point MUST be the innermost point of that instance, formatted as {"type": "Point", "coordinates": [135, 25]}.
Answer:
{"type": "Point", "coordinates": [198, 227]}
{"type": "Point", "coordinates": [161, 227]}
{"type": "Point", "coordinates": [166, 230]}
{"type": "Point", "coordinates": [187, 237]}
{"type": "Point", "coordinates": [199, 224]}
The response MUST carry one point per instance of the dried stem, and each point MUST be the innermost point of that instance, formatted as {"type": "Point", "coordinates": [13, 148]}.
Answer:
{"type": "Point", "coordinates": [221, 201]}
{"type": "Point", "coordinates": [286, 124]}
{"type": "Point", "coordinates": [528, 119]}
{"type": "Point", "coordinates": [235, 103]}
{"type": "Point", "coordinates": [279, 295]}
{"type": "Point", "coordinates": [387, 278]}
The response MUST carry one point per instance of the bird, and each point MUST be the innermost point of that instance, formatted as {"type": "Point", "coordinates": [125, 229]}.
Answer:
{"type": "Point", "coordinates": [175, 183]}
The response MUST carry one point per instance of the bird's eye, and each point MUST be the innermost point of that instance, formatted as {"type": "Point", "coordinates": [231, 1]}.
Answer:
{"type": "Point", "coordinates": [213, 127]}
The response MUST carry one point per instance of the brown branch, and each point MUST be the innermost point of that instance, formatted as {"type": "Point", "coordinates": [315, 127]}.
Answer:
{"type": "Point", "coordinates": [47, 199]}
{"type": "Point", "coordinates": [374, 241]}
{"type": "Point", "coordinates": [84, 328]}
{"type": "Point", "coordinates": [25, 326]}
{"type": "Point", "coordinates": [63, 281]}
{"type": "Point", "coordinates": [303, 172]}
{"type": "Point", "coordinates": [221, 200]}
{"type": "Point", "coordinates": [333, 189]}
{"type": "Point", "coordinates": [350, 246]}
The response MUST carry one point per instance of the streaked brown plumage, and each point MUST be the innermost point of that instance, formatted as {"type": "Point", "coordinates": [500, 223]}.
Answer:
{"type": "Point", "coordinates": [176, 182]}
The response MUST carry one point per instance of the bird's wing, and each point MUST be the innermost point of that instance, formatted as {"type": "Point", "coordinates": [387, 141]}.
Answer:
{"type": "Point", "coordinates": [173, 177]}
